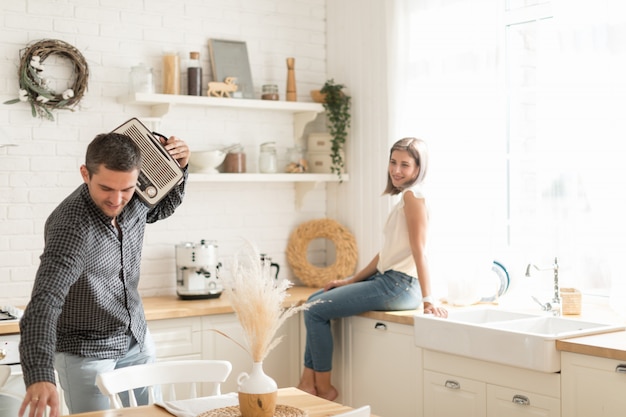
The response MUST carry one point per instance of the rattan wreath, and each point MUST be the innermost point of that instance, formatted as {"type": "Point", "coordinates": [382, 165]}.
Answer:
{"type": "Point", "coordinates": [345, 246]}
{"type": "Point", "coordinates": [33, 87]}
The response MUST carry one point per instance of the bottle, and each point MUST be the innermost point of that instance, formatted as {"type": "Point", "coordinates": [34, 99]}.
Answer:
{"type": "Point", "coordinates": [194, 75]}
{"type": "Point", "coordinates": [171, 73]}
{"type": "Point", "coordinates": [268, 163]}
{"type": "Point", "coordinates": [291, 80]}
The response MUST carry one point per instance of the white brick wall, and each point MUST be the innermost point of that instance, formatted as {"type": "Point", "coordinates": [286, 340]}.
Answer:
{"type": "Point", "coordinates": [113, 36]}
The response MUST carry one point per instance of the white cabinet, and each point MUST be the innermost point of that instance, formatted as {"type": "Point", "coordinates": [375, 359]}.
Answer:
{"type": "Point", "coordinates": [514, 402]}
{"type": "Point", "coordinates": [452, 395]}
{"type": "Point", "coordinates": [178, 338]}
{"type": "Point", "coordinates": [456, 386]}
{"type": "Point", "coordinates": [593, 386]}
{"type": "Point", "coordinates": [383, 367]}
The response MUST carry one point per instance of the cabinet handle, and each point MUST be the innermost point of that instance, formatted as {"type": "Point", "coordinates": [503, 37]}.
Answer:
{"type": "Point", "coordinates": [452, 384]}
{"type": "Point", "coordinates": [520, 399]}
{"type": "Point", "coordinates": [380, 326]}
{"type": "Point", "coordinates": [620, 369]}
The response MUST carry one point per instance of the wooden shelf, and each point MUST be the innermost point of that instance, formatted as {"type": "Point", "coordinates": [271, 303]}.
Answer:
{"type": "Point", "coordinates": [254, 177]}
{"type": "Point", "coordinates": [161, 104]}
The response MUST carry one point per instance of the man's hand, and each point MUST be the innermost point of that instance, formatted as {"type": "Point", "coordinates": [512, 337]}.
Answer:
{"type": "Point", "coordinates": [39, 396]}
{"type": "Point", "coordinates": [177, 148]}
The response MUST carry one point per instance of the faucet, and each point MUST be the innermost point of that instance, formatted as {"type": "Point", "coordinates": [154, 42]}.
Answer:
{"type": "Point", "coordinates": [555, 304]}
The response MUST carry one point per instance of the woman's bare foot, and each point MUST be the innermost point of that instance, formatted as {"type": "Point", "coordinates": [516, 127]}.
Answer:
{"type": "Point", "coordinates": [324, 387]}
{"type": "Point", "coordinates": [329, 395]}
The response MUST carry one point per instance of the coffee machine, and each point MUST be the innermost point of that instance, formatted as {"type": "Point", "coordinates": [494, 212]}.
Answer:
{"type": "Point", "coordinates": [197, 271]}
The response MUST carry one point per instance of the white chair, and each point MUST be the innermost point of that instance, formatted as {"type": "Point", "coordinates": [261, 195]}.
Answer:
{"type": "Point", "coordinates": [364, 411]}
{"type": "Point", "coordinates": [161, 374]}
{"type": "Point", "coordinates": [5, 373]}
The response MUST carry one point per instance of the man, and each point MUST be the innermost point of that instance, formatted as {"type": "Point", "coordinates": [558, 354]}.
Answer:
{"type": "Point", "coordinates": [85, 315]}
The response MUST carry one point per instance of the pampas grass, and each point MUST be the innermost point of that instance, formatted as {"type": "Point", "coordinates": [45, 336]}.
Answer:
{"type": "Point", "coordinates": [258, 298]}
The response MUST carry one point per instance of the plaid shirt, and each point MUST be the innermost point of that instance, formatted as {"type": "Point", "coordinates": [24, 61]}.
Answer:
{"type": "Point", "coordinates": [85, 300]}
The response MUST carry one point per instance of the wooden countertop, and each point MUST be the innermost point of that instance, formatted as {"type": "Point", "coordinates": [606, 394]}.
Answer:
{"type": "Point", "coordinates": [170, 306]}
{"type": "Point", "coordinates": [608, 345]}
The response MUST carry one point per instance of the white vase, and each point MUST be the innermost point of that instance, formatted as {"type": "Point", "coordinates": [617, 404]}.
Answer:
{"type": "Point", "coordinates": [257, 393]}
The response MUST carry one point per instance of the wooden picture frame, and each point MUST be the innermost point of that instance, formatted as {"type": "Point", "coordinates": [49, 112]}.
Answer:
{"type": "Point", "coordinates": [230, 59]}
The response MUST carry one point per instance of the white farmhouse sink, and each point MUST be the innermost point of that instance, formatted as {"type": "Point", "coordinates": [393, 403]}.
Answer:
{"type": "Point", "coordinates": [507, 337]}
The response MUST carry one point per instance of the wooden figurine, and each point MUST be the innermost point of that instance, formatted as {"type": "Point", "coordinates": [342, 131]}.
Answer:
{"type": "Point", "coordinates": [222, 89]}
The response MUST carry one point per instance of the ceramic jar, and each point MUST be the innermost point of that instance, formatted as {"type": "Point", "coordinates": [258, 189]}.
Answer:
{"type": "Point", "coordinates": [257, 393]}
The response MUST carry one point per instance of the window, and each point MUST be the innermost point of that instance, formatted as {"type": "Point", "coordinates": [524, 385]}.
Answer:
{"type": "Point", "coordinates": [565, 142]}
{"type": "Point", "coordinates": [524, 109]}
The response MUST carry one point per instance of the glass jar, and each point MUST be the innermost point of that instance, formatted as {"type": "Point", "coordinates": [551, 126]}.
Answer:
{"type": "Point", "coordinates": [194, 75]}
{"type": "Point", "coordinates": [235, 161]}
{"type": "Point", "coordinates": [269, 92]}
{"type": "Point", "coordinates": [171, 73]}
{"type": "Point", "coordinates": [141, 79]}
{"type": "Point", "coordinates": [268, 163]}
{"type": "Point", "coordinates": [295, 154]}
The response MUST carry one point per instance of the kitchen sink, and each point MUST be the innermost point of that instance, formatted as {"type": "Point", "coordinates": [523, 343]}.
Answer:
{"type": "Point", "coordinates": [486, 315]}
{"type": "Point", "coordinates": [512, 338]}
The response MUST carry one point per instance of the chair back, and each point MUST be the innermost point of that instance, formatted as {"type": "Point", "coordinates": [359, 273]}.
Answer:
{"type": "Point", "coordinates": [5, 373]}
{"type": "Point", "coordinates": [364, 411]}
{"type": "Point", "coordinates": [160, 375]}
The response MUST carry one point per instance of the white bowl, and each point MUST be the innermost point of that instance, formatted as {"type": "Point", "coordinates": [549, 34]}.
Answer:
{"type": "Point", "coordinates": [206, 162]}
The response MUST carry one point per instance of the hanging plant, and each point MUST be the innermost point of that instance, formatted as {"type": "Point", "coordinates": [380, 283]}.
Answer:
{"type": "Point", "coordinates": [34, 87]}
{"type": "Point", "coordinates": [337, 105]}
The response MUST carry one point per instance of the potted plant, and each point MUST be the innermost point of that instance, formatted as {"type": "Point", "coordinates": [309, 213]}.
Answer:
{"type": "Point", "coordinates": [337, 105]}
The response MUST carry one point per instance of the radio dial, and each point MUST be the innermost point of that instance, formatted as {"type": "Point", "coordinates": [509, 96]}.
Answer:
{"type": "Point", "coordinates": [151, 191]}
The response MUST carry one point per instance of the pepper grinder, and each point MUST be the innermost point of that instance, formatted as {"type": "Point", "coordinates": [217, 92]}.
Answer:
{"type": "Point", "coordinates": [291, 80]}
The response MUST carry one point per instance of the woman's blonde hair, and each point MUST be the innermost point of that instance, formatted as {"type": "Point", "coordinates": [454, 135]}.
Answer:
{"type": "Point", "coordinates": [418, 150]}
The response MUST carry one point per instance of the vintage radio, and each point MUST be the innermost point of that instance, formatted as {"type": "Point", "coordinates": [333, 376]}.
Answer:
{"type": "Point", "coordinates": [160, 172]}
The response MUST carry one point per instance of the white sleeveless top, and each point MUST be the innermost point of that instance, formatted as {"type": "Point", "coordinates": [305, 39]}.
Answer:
{"type": "Point", "coordinates": [396, 252]}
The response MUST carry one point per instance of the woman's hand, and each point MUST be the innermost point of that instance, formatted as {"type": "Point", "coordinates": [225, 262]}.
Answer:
{"type": "Point", "coordinates": [436, 311]}
{"type": "Point", "coordinates": [336, 283]}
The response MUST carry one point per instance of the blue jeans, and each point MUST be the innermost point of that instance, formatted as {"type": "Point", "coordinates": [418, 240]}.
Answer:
{"type": "Point", "coordinates": [387, 291]}
{"type": "Point", "coordinates": [77, 376]}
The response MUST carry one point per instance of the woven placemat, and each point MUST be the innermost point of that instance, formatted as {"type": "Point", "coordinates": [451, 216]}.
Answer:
{"type": "Point", "coordinates": [233, 411]}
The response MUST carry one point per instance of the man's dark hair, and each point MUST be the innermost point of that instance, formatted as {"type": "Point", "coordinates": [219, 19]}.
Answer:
{"type": "Point", "coordinates": [115, 151]}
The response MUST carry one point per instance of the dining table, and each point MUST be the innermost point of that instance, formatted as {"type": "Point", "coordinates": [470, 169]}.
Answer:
{"type": "Point", "coordinates": [290, 396]}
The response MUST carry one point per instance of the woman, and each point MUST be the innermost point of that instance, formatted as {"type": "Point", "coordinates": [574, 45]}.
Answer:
{"type": "Point", "coordinates": [396, 279]}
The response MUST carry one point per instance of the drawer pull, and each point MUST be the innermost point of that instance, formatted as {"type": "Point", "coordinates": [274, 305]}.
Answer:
{"type": "Point", "coordinates": [620, 369]}
{"type": "Point", "coordinates": [520, 400]}
{"type": "Point", "coordinates": [380, 326]}
{"type": "Point", "coordinates": [452, 384]}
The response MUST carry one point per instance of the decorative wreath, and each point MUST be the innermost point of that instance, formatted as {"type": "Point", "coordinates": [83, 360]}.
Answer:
{"type": "Point", "coordinates": [34, 87]}
{"type": "Point", "coordinates": [345, 258]}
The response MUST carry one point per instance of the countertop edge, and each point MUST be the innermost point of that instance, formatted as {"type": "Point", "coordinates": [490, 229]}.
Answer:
{"type": "Point", "coordinates": [608, 345]}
